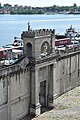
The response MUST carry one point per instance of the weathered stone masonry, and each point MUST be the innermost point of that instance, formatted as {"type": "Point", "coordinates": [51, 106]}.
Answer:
{"type": "Point", "coordinates": [33, 83]}
{"type": "Point", "coordinates": [15, 91]}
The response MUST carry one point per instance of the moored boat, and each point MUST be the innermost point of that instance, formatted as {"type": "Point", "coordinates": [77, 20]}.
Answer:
{"type": "Point", "coordinates": [10, 53]}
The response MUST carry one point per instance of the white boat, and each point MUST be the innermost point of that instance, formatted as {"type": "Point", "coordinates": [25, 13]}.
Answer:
{"type": "Point", "coordinates": [11, 53]}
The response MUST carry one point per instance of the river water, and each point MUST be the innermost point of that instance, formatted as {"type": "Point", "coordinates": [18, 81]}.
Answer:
{"type": "Point", "coordinates": [12, 25]}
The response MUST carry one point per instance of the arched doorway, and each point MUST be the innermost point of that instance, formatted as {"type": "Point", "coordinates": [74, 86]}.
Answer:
{"type": "Point", "coordinates": [29, 50]}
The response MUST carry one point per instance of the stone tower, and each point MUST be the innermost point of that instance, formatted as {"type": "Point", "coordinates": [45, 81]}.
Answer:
{"type": "Point", "coordinates": [38, 42]}
{"type": "Point", "coordinates": [39, 45]}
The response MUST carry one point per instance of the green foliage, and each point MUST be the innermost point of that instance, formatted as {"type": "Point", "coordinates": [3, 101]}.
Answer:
{"type": "Point", "coordinates": [0, 6]}
{"type": "Point", "coordinates": [16, 9]}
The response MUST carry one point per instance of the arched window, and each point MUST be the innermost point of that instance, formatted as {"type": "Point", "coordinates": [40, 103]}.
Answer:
{"type": "Point", "coordinates": [29, 49]}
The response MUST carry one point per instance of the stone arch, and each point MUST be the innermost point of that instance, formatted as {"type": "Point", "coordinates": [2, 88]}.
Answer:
{"type": "Point", "coordinates": [29, 49]}
{"type": "Point", "coordinates": [45, 48]}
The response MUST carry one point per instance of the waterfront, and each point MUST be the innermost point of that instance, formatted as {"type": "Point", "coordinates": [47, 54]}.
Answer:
{"type": "Point", "coordinates": [13, 25]}
{"type": "Point", "coordinates": [37, 84]}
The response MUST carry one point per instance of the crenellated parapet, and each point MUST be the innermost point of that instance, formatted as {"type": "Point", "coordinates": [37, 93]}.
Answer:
{"type": "Point", "coordinates": [37, 33]}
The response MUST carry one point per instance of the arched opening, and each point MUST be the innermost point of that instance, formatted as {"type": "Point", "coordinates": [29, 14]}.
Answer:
{"type": "Point", "coordinates": [29, 50]}
{"type": "Point", "coordinates": [45, 49]}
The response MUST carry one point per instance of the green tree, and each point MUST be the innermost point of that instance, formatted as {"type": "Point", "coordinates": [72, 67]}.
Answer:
{"type": "Point", "coordinates": [7, 6]}
{"type": "Point", "coordinates": [0, 6]}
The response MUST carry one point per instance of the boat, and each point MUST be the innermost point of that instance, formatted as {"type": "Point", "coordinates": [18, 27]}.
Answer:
{"type": "Point", "coordinates": [62, 40]}
{"type": "Point", "coordinates": [71, 39]}
{"type": "Point", "coordinates": [11, 53]}
{"type": "Point", "coordinates": [75, 13]}
{"type": "Point", "coordinates": [72, 33]}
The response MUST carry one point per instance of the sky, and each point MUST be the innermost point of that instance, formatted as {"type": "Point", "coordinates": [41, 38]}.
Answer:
{"type": "Point", "coordinates": [41, 3]}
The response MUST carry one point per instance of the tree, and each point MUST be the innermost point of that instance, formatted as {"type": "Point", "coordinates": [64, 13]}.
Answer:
{"type": "Point", "coordinates": [0, 6]}
{"type": "Point", "coordinates": [7, 6]}
{"type": "Point", "coordinates": [75, 5]}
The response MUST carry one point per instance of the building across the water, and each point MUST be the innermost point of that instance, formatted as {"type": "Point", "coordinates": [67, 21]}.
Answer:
{"type": "Point", "coordinates": [38, 77]}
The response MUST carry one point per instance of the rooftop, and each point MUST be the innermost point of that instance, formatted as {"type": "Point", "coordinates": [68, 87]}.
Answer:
{"type": "Point", "coordinates": [37, 33]}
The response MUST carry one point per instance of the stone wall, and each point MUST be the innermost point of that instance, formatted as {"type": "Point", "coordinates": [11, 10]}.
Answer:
{"type": "Point", "coordinates": [67, 73]}
{"type": "Point", "coordinates": [14, 91]}
{"type": "Point", "coordinates": [59, 74]}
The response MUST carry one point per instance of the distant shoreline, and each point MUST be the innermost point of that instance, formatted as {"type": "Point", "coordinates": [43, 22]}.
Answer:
{"type": "Point", "coordinates": [46, 14]}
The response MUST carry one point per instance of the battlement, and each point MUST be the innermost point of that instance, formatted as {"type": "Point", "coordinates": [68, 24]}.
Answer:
{"type": "Point", "coordinates": [37, 33]}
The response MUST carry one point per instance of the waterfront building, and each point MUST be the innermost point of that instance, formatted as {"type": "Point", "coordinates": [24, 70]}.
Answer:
{"type": "Point", "coordinates": [38, 77]}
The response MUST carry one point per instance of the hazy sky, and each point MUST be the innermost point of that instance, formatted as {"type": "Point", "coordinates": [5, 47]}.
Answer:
{"type": "Point", "coordinates": [41, 2]}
